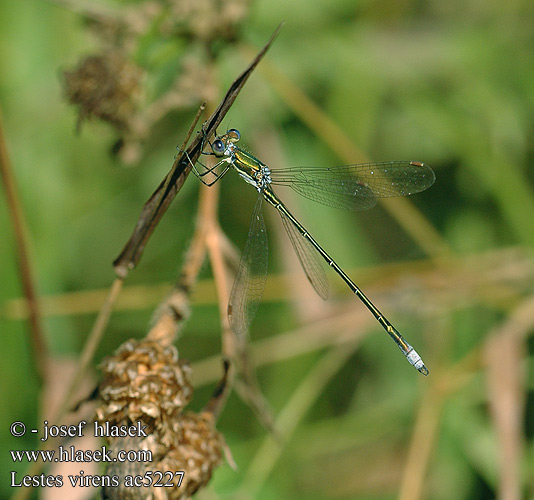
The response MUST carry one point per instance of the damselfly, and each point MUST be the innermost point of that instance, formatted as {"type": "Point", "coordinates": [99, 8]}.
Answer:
{"type": "Point", "coordinates": [354, 187]}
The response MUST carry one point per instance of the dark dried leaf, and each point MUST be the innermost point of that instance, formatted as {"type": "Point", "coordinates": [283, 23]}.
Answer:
{"type": "Point", "coordinates": [156, 206]}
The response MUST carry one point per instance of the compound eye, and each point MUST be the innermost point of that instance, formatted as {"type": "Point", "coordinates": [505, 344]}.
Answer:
{"type": "Point", "coordinates": [233, 135]}
{"type": "Point", "coordinates": [218, 147]}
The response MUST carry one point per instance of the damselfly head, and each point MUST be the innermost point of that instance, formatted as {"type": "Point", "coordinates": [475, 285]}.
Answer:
{"type": "Point", "coordinates": [221, 143]}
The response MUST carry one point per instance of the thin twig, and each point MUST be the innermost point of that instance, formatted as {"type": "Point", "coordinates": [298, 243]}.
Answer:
{"type": "Point", "coordinates": [209, 201]}
{"type": "Point", "coordinates": [234, 349]}
{"type": "Point", "coordinates": [39, 349]}
{"type": "Point", "coordinates": [93, 340]}
{"type": "Point", "coordinates": [506, 380]}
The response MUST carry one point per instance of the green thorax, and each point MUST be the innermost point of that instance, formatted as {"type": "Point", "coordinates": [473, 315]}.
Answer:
{"type": "Point", "coordinates": [248, 166]}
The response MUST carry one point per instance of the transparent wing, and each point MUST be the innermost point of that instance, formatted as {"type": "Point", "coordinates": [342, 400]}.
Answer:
{"type": "Point", "coordinates": [309, 259]}
{"type": "Point", "coordinates": [251, 275]}
{"type": "Point", "coordinates": [356, 187]}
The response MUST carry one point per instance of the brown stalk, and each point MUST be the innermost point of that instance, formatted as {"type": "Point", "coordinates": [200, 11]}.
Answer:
{"type": "Point", "coordinates": [38, 344]}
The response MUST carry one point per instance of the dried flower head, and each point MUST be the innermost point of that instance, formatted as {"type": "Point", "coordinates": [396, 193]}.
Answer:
{"type": "Point", "coordinates": [197, 451]}
{"type": "Point", "coordinates": [105, 86]}
{"type": "Point", "coordinates": [144, 381]}
{"type": "Point", "coordinates": [147, 383]}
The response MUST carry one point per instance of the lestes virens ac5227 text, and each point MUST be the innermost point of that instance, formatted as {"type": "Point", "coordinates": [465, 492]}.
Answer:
{"type": "Point", "coordinates": [354, 187]}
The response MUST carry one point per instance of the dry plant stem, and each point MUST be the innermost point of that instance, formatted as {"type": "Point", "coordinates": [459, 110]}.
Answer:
{"type": "Point", "coordinates": [401, 209]}
{"type": "Point", "coordinates": [506, 382]}
{"type": "Point", "coordinates": [175, 308]}
{"type": "Point", "coordinates": [506, 413]}
{"type": "Point", "coordinates": [164, 329]}
{"type": "Point", "coordinates": [234, 349]}
{"type": "Point", "coordinates": [95, 336]}
{"type": "Point", "coordinates": [209, 201]}
{"type": "Point", "coordinates": [87, 355]}
{"type": "Point", "coordinates": [426, 428]}
{"type": "Point", "coordinates": [210, 197]}
{"type": "Point", "coordinates": [497, 277]}
{"type": "Point", "coordinates": [209, 229]}
{"type": "Point", "coordinates": [506, 387]}
{"type": "Point", "coordinates": [39, 350]}
{"type": "Point", "coordinates": [196, 252]}
{"type": "Point", "coordinates": [172, 310]}
{"type": "Point", "coordinates": [422, 444]}
{"type": "Point", "coordinates": [207, 237]}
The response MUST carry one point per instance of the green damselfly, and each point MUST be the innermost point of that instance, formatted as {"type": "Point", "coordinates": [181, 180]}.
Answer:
{"type": "Point", "coordinates": [354, 187]}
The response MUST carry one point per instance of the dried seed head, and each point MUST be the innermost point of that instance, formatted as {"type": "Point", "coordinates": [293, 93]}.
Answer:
{"type": "Point", "coordinates": [197, 450]}
{"type": "Point", "coordinates": [144, 381]}
{"type": "Point", "coordinates": [106, 86]}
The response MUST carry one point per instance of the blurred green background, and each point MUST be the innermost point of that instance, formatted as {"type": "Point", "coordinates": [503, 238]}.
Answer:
{"type": "Point", "coordinates": [447, 83]}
